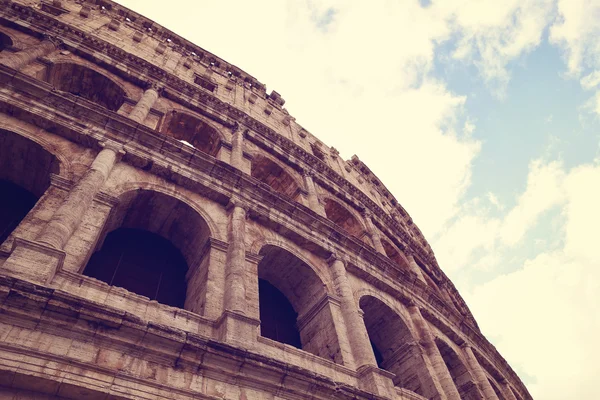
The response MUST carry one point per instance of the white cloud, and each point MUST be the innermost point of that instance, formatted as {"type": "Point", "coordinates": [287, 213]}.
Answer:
{"type": "Point", "coordinates": [591, 80]}
{"type": "Point", "coordinates": [544, 318]}
{"type": "Point", "coordinates": [544, 191]}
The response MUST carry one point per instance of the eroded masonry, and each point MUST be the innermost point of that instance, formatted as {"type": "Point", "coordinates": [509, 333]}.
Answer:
{"type": "Point", "coordinates": [169, 231]}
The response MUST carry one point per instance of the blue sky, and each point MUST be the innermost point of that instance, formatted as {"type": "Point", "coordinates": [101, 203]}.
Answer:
{"type": "Point", "coordinates": [482, 117]}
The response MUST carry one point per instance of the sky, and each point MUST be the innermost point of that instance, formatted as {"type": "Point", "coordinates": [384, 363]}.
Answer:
{"type": "Point", "coordinates": [482, 117]}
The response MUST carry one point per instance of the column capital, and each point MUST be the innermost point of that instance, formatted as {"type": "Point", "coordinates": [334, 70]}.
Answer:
{"type": "Point", "coordinates": [156, 86]}
{"type": "Point", "coordinates": [237, 202]}
{"type": "Point", "coordinates": [367, 213]}
{"type": "Point", "coordinates": [235, 127]}
{"type": "Point", "coordinates": [53, 39]}
{"type": "Point", "coordinates": [112, 145]}
{"type": "Point", "coordinates": [335, 257]}
{"type": "Point", "coordinates": [306, 172]}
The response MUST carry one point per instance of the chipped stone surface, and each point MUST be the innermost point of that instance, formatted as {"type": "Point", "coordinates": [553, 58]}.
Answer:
{"type": "Point", "coordinates": [116, 123]}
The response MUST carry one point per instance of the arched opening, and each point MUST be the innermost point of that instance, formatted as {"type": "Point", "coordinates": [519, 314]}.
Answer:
{"type": "Point", "coordinates": [291, 305]}
{"type": "Point", "coordinates": [339, 215]}
{"type": "Point", "coordinates": [25, 169]}
{"type": "Point", "coordinates": [141, 262]}
{"type": "Point", "coordinates": [193, 131]}
{"type": "Point", "coordinates": [153, 246]}
{"type": "Point", "coordinates": [269, 172]}
{"type": "Point", "coordinates": [460, 374]}
{"type": "Point", "coordinates": [87, 83]}
{"type": "Point", "coordinates": [5, 41]}
{"type": "Point", "coordinates": [497, 390]}
{"type": "Point", "coordinates": [278, 319]}
{"type": "Point", "coordinates": [394, 347]}
{"type": "Point", "coordinates": [394, 254]}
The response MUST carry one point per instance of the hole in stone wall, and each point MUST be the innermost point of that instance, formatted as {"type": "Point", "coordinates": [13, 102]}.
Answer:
{"type": "Point", "coordinates": [87, 83]}
{"type": "Point", "coordinates": [141, 262]}
{"type": "Point", "coordinates": [394, 255]}
{"type": "Point", "coordinates": [277, 316]}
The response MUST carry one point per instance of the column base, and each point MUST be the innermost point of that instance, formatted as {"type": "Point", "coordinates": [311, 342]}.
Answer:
{"type": "Point", "coordinates": [237, 329]}
{"type": "Point", "coordinates": [32, 261]}
{"type": "Point", "coordinates": [376, 381]}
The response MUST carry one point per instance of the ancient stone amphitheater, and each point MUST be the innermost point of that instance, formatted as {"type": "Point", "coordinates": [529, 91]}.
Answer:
{"type": "Point", "coordinates": [169, 231]}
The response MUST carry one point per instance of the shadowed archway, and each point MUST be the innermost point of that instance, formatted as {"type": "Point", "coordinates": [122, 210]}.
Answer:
{"type": "Point", "coordinates": [342, 217]}
{"type": "Point", "coordinates": [269, 172]}
{"type": "Point", "coordinates": [153, 246]}
{"type": "Point", "coordinates": [192, 130]}
{"type": "Point", "coordinates": [460, 374]}
{"type": "Point", "coordinates": [293, 304]}
{"type": "Point", "coordinates": [5, 41]}
{"type": "Point", "coordinates": [25, 168]}
{"type": "Point", "coordinates": [394, 347]}
{"type": "Point", "coordinates": [87, 83]}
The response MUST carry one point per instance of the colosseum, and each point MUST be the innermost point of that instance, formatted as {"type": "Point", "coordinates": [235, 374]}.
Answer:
{"type": "Point", "coordinates": [169, 231]}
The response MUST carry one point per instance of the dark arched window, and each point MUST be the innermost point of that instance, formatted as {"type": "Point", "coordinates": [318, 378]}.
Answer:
{"type": "Point", "coordinates": [5, 41]}
{"type": "Point", "coordinates": [394, 348]}
{"type": "Point", "coordinates": [460, 374]}
{"type": "Point", "coordinates": [15, 203]}
{"type": "Point", "coordinates": [277, 316]}
{"type": "Point", "coordinates": [25, 169]}
{"type": "Point", "coordinates": [87, 83]}
{"type": "Point", "coordinates": [338, 214]}
{"type": "Point", "coordinates": [141, 262]}
{"type": "Point", "coordinates": [292, 306]}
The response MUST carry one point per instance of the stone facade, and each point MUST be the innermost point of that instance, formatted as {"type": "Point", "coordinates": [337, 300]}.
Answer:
{"type": "Point", "coordinates": [112, 128]}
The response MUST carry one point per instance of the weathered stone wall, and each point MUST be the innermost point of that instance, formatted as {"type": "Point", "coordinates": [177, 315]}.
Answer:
{"type": "Point", "coordinates": [116, 123]}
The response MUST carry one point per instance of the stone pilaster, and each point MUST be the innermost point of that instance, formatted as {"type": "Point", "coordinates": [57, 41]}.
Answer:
{"type": "Point", "coordinates": [235, 287]}
{"type": "Point", "coordinates": [442, 378]}
{"type": "Point", "coordinates": [506, 390]}
{"type": "Point", "coordinates": [375, 237]}
{"type": "Point", "coordinates": [69, 215]}
{"type": "Point", "coordinates": [313, 198]}
{"type": "Point", "coordinates": [237, 325]}
{"type": "Point", "coordinates": [478, 373]}
{"type": "Point", "coordinates": [237, 148]}
{"type": "Point", "coordinates": [143, 106]}
{"type": "Point", "coordinates": [21, 58]}
{"type": "Point", "coordinates": [371, 377]}
{"type": "Point", "coordinates": [412, 264]}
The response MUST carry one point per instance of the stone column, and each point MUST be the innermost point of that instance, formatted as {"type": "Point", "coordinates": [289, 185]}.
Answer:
{"type": "Point", "coordinates": [70, 213]}
{"type": "Point", "coordinates": [21, 58]}
{"type": "Point", "coordinates": [412, 264]}
{"type": "Point", "coordinates": [433, 354]}
{"type": "Point", "coordinates": [235, 287]}
{"type": "Point", "coordinates": [143, 106]}
{"type": "Point", "coordinates": [478, 373]}
{"type": "Point", "coordinates": [371, 378]}
{"type": "Point", "coordinates": [375, 237]}
{"type": "Point", "coordinates": [506, 390]}
{"type": "Point", "coordinates": [313, 199]}
{"type": "Point", "coordinates": [237, 148]}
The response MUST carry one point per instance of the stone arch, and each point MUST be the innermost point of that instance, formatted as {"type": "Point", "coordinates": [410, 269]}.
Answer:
{"type": "Point", "coordinates": [25, 168]}
{"type": "Point", "coordinates": [394, 254]}
{"type": "Point", "coordinates": [213, 227]}
{"type": "Point", "coordinates": [193, 130]}
{"type": "Point", "coordinates": [496, 388]}
{"type": "Point", "coordinates": [5, 41]}
{"type": "Point", "coordinates": [153, 245]}
{"type": "Point", "coordinates": [458, 371]}
{"type": "Point", "coordinates": [275, 175]}
{"type": "Point", "coordinates": [394, 345]}
{"type": "Point", "coordinates": [87, 82]}
{"type": "Point", "coordinates": [297, 283]}
{"type": "Point", "coordinates": [344, 218]}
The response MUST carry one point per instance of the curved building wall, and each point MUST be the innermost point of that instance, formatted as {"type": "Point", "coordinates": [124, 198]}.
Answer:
{"type": "Point", "coordinates": [189, 239]}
